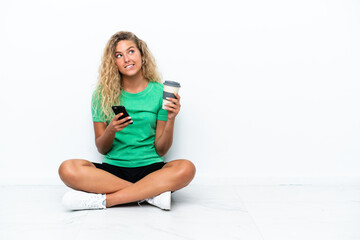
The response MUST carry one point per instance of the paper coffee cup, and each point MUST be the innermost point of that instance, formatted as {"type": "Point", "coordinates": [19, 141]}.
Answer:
{"type": "Point", "coordinates": [170, 87]}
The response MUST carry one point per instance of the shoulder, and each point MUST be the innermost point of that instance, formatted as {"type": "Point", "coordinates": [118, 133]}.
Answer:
{"type": "Point", "coordinates": [157, 88]}
{"type": "Point", "coordinates": [157, 85]}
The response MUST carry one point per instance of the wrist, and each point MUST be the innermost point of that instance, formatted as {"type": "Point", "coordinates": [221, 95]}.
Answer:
{"type": "Point", "coordinates": [171, 119]}
{"type": "Point", "coordinates": [109, 132]}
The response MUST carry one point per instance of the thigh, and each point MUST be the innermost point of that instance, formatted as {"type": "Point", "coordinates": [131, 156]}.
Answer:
{"type": "Point", "coordinates": [181, 164]}
{"type": "Point", "coordinates": [72, 166]}
{"type": "Point", "coordinates": [83, 175]}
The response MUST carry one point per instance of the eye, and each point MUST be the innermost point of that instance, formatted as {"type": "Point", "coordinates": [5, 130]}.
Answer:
{"type": "Point", "coordinates": [131, 51]}
{"type": "Point", "coordinates": [118, 55]}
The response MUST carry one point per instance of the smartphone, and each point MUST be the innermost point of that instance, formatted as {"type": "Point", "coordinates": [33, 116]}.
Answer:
{"type": "Point", "coordinates": [121, 109]}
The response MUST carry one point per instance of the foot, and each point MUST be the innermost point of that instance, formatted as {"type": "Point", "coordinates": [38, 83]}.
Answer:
{"type": "Point", "coordinates": [162, 201]}
{"type": "Point", "coordinates": [78, 200]}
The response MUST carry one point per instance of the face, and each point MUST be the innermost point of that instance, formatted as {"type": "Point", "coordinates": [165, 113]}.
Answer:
{"type": "Point", "coordinates": [128, 58]}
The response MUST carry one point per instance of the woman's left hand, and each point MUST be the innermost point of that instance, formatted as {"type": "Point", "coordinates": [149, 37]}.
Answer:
{"type": "Point", "coordinates": [173, 108]}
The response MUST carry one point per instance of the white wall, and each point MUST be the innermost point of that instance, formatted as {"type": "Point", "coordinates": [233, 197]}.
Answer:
{"type": "Point", "coordinates": [269, 88]}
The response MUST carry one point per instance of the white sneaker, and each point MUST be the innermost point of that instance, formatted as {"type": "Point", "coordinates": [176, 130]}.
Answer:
{"type": "Point", "coordinates": [162, 201]}
{"type": "Point", "coordinates": [78, 200]}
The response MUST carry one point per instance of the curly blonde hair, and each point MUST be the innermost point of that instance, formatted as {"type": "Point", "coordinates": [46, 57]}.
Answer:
{"type": "Point", "coordinates": [108, 90]}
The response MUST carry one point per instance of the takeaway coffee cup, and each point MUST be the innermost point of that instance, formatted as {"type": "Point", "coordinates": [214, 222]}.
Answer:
{"type": "Point", "coordinates": [170, 87]}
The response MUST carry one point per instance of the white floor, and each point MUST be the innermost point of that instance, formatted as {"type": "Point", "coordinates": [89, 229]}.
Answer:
{"type": "Point", "coordinates": [198, 212]}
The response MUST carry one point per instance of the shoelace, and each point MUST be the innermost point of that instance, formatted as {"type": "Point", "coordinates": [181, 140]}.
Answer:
{"type": "Point", "coordinates": [91, 202]}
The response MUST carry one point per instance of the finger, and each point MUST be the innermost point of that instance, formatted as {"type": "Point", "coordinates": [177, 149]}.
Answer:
{"type": "Point", "coordinates": [128, 121]}
{"type": "Point", "coordinates": [171, 105]}
{"type": "Point", "coordinates": [177, 96]}
{"type": "Point", "coordinates": [172, 109]}
{"type": "Point", "coordinates": [116, 117]}
{"type": "Point", "coordinates": [174, 105]}
{"type": "Point", "coordinates": [121, 126]}
{"type": "Point", "coordinates": [122, 121]}
{"type": "Point", "coordinates": [174, 100]}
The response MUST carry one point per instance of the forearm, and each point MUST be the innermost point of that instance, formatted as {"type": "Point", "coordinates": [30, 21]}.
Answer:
{"type": "Point", "coordinates": [105, 141]}
{"type": "Point", "coordinates": [164, 142]}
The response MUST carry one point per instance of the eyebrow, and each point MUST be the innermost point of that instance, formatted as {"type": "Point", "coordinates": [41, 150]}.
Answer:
{"type": "Point", "coordinates": [125, 50]}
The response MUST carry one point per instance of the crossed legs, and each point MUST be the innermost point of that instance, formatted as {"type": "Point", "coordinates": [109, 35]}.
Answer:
{"type": "Point", "coordinates": [84, 176]}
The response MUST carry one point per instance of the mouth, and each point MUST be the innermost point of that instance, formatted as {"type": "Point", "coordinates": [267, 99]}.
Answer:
{"type": "Point", "coordinates": [129, 66]}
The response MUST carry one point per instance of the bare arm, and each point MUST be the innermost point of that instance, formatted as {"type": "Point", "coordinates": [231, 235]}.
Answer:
{"type": "Point", "coordinates": [165, 129]}
{"type": "Point", "coordinates": [104, 135]}
{"type": "Point", "coordinates": [164, 136]}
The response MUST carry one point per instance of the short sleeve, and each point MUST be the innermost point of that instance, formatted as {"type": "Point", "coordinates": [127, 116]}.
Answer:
{"type": "Point", "coordinates": [96, 111]}
{"type": "Point", "coordinates": [162, 115]}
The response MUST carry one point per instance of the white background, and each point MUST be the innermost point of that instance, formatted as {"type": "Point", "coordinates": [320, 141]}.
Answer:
{"type": "Point", "coordinates": [270, 89]}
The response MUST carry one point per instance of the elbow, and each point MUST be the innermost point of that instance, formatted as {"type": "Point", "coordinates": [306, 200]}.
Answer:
{"type": "Point", "coordinates": [101, 151]}
{"type": "Point", "coordinates": [161, 151]}
{"type": "Point", "coordinates": [101, 148]}
{"type": "Point", "coordinates": [161, 154]}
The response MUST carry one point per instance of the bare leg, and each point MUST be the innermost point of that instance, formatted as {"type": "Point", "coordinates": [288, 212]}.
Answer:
{"type": "Point", "coordinates": [82, 175]}
{"type": "Point", "coordinates": [173, 176]}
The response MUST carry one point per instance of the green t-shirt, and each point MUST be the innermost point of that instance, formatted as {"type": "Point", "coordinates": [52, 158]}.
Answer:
{"type": "Point", "coordinates": [134, 146]}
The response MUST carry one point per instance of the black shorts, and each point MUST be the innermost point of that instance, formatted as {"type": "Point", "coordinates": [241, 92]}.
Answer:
{"type": "Point", "coordinates": [130, 174]}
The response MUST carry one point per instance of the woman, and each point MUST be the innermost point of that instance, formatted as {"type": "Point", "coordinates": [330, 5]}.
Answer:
{"type": "Point", "coordinates": [133, 168]}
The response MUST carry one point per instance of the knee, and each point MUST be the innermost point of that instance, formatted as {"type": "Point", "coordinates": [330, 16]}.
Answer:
{"type": "Point", "coordinates": [67, 171]}
{"type": "Point", "coordinates": [187, 170]}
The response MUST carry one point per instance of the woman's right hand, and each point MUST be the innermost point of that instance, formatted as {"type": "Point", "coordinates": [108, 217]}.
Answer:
{"type": "Point", "coordinates": [104, 135]}
{"type": "Point", "coordinates": [116, 125]}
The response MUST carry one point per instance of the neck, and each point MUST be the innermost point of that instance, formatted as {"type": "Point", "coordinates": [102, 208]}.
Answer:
{"type": "Point", "coordinates": [134, 84]}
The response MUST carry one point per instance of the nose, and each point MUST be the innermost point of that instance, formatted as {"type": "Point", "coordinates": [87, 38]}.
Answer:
{"type": "Point", "coordinates": [126, 59]}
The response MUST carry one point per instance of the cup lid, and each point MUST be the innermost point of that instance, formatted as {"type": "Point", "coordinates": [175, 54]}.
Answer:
{"type": "Point", "coordinates": [172, 83]}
